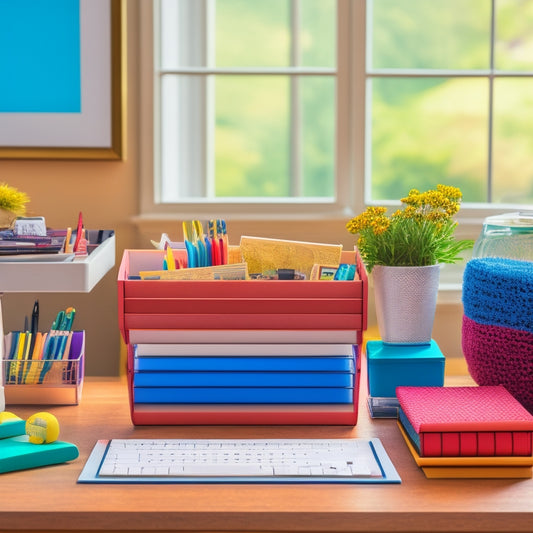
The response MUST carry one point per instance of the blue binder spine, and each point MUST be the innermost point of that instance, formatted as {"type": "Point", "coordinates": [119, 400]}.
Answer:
{"type": "Point", "coordinates": [243, 379]}
{"type": "Point", "coordinates": [245, 364]}
{"type": "Point", "coordinates": [238, 395]}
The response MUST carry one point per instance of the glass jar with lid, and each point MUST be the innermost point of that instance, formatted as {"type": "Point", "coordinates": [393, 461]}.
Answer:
{"type": "Point", "coordinates": [508, 235]}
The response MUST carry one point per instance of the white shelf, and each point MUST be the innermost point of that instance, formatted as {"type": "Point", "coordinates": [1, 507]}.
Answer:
{"type": "Point", "coordinates": [79, 275]}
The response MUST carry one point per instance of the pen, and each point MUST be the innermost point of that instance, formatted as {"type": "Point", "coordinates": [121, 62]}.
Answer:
{"type": "Point", "coordinates": [11, 244]}
{"type": "Point", "coordinates": [203, 259]}
{"type": "Point", "coordinates": [64, 326]}
{"type": "Point", "coordinates": [171, 263]}
{"type": "Point", "coordinates": [23, 351]}
{"type": "Point", "coordinates": [56, 324]}
{"type": "Point", "coordinates": [34, 326]}
{"type": "Point", "coordinates": [48, 352]}
{"type": "Point", "coordinates": [67, 247]}
{"type": "Point", "coordinates": [188, 237]}
{"type": "Point", "coordinates": [70, 313]}
{"type": "Point", "coordinates": [223, 241]}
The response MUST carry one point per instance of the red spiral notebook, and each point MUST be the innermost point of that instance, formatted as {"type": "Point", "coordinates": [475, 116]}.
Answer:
{"type": "Point", "coordinates": [465, 421]}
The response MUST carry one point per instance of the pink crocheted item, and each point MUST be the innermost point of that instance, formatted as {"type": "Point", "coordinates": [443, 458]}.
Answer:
{"type": "Point", "coordinates": [499, 355]}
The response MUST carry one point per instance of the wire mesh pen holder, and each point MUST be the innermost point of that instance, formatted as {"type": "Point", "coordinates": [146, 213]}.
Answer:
{"type": "Point", "coordinates": [46, 381]}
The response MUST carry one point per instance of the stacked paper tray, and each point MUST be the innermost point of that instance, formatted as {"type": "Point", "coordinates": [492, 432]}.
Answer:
{"type": "Point", "coordinates": [241, 352]}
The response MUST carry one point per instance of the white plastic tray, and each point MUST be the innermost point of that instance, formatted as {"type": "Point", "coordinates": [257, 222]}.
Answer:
{"type": "Point", "coordinates": [79, 275]}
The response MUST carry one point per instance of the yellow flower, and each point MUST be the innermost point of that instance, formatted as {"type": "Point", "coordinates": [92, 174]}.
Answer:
{"type": "Point", "coordinates": [373, 217]}
{"type": "Point", "coordinates": [12, 199]}
{"type": "Point", "coordinates": [453, 193]}
{"type": "Point", "coordinates": [420, 233]}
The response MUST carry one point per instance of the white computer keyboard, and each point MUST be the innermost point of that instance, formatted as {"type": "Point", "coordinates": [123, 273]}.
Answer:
{"type": "Point", "coordinates": [245, 459]}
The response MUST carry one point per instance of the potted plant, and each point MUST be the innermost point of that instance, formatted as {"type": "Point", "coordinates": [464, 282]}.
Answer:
{"type": "Point", "coordinates": [403, 251]}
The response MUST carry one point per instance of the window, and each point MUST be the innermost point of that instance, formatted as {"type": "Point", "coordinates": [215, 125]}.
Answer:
{"type": "Point", "coordinates": [450, 98]}
{"type": "Point", "coordinates": [315, 107]}
{"type": "Point", "coordinates": [245, 105]}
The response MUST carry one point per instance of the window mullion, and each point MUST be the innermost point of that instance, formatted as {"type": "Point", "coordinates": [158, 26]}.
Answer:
{"type": "Point", "coordinates": [296, 175]}
{"type": "Point", "coordinates": [491, 102]}
{"type": "Point", "coordinates": [210, 111]}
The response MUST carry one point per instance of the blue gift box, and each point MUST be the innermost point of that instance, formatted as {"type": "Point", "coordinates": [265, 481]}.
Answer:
{"type": "Point", "coordinates": [392, 365]}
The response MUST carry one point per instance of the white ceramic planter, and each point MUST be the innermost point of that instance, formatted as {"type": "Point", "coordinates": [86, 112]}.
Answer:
{"type": "Point", "coordinates": [406, 299]}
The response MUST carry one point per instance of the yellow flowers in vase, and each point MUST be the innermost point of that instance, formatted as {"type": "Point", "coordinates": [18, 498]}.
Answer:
{"type": "Point", "coordinates": [421, 233]}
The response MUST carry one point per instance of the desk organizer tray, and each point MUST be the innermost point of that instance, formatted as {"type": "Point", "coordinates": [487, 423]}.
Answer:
{"type": "Point", "coordinates": [299, 305]}
{"type": "Point", "coordinates": [46, 382]}
{"type": "Point", "coordinates": [79, 274]}
{"type": "Point", "coordinates": [222, 314]}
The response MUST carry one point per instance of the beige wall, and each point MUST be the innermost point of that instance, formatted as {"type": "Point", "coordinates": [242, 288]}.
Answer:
{"type": "Point", "coordinates": [108, 195]}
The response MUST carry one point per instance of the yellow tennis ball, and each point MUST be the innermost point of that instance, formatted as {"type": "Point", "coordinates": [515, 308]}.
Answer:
{"type": "Point", "coordinates": [6, 416]}
{"type": "Point", "coordinates": [42, 427]}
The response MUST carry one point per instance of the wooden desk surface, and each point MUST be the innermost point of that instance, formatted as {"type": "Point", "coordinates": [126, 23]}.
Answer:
{"type": "Point", "coordinates": [50, 499]}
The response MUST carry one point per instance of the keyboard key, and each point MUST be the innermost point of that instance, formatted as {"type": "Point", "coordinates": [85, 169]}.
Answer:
{"type": "Point", "coordinates": [227, 470]}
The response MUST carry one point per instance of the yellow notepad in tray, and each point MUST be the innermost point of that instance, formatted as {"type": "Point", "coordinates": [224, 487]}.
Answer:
{"type": "Point", "coordinates": [264, 255]}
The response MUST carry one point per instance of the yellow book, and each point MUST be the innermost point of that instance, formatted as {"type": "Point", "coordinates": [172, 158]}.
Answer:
{"type": "Point", "coordinates": [478, 472]}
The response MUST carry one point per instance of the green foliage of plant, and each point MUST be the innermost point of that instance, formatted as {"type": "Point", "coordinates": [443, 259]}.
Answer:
{"type": "Point", "coordinates": [13, 200]}
{"type": "Point", "coordinates": [421, 233]}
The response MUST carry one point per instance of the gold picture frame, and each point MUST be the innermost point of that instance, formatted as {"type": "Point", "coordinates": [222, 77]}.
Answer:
{"type": "Point", "coordinates": [112, 110]}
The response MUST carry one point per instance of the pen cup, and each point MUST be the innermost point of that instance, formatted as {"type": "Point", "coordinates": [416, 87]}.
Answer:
{"type": "Point", "coordinates": [44, 381]}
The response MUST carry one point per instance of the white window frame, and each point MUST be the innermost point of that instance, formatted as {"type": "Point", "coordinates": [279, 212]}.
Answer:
{"type": "Point", "coordinates": [348, 95]}
{"type": "Point", "coordinates": [351, 147]}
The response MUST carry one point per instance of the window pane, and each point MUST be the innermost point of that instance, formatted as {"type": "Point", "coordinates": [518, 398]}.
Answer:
{"type": "Point", "coordinates": [427, 131]}
{"type": "Point", "coordinates": [436, 34]}
{"type": "Point", "coordinates": [318, 135]}
{"type": "Point", "coordinates": [514, 35]}
{"type": "Point", "coordinates": [252, 33]}
{"type": "Point", "coordinates": [513, 142]}
{"type": "Point", "coordinates": [252, 136]}
{"type": "Point", "coordinates": [317, 35]}
{"type": "Point", "coordinates": [254, 120]}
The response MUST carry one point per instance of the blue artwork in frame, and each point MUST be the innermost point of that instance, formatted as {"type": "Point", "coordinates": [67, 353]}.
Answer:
{"type": "Point", "coordinates": [40, 68]}
{"type": "Point", "coordinates": [62, 74]}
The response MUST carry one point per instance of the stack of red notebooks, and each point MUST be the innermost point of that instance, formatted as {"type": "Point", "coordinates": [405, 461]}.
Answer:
{"type": "Point", "coordinates": [468, 432]}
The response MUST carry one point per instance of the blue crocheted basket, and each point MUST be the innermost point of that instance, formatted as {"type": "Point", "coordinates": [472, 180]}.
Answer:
{"type": "Point", "coordinates": [497, 331]}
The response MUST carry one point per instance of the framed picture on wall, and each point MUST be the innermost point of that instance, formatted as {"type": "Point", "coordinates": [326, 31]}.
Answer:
{"type": "Point", "coordinates": [62, 70]}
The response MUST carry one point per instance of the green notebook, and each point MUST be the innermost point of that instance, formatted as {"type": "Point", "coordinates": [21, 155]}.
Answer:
{"type": "Point", "coordinates": [17, 453]}
{"type": "Point", "coordinates": [12, 428]}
